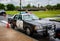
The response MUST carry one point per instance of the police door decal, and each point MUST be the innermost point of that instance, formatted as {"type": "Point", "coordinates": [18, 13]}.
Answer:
{"type": "Point", "coordinates": [19, 24]}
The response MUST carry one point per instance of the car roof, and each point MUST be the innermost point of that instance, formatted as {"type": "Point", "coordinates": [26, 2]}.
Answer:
{"type": "Point", "coordinates": [23, 13]}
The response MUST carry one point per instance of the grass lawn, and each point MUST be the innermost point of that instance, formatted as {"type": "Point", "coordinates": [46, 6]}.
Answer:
{"type": "Point", "coordinates": [58, 19]}
{"type": "Point", "coordinates": [12, 12]}
{"type": "Point", "coordinates": [41, 14]}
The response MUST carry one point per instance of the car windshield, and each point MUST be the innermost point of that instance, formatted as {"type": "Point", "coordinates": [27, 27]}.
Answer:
{"type": "Point", "coordinates": [34, 17]}
{"type": "Point", "coordinates": [30, 17]}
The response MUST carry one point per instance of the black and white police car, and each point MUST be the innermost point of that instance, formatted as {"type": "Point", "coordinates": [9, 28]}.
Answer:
{"type": "Point", "coordinates": [31, 24]}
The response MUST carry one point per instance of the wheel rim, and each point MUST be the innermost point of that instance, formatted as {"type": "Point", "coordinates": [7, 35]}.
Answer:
{"type": "Point", "coordinates": [52, 33]}
{"type": "Point", "coordinates": [28, 31]}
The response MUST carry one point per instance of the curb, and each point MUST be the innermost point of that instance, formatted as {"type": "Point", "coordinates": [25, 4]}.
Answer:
{"type": "Point", "coordinates": [55, 20]}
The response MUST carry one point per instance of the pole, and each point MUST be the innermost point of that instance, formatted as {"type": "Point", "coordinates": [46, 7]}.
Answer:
{"type": "Point", "coordinates": [20, 6]}
{"type": "Point", "coordinates": [38, 5]}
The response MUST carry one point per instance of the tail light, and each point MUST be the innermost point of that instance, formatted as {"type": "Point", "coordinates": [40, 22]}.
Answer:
{"type": "Point", "coordinates": [58, 33]}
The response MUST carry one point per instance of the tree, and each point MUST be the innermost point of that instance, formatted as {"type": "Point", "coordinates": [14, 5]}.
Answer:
{"type": "Point", "coordinates": [28, 6]}
{"type": "Point", "coordinates": [41, 7]}
{"type": "Point", "coordinates": [33, 6]}
{"type": "Point", "coordinates": [58, 6]}
{"type": "Point", "coordinates": [49, 7]}
{"type": "Point", "coordinates": [2, 6]}
{"type": "Point", "coordinates": [54, 7]}
{"type": "Point", "coordinates": [17, 7]}
{"type": "Point", "coordinates": [10, 7]}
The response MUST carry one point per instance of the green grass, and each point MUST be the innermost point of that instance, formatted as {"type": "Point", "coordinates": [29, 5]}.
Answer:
{"type": "Point", "coordinates": [41, 14]}
{"type": "Point", "coordinates": [12, 12]}
{"type": "Point", "coordinates": [44, 14]}
{"type": "Point", "coordinates": [58, 19]}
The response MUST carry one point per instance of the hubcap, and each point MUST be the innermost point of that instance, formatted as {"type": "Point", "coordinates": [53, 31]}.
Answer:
{"type": "Point", "coordinates": [28, 31]}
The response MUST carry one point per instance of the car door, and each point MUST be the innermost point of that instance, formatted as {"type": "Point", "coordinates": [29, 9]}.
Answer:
{"type": "Point", "coordinates": [19, 22]}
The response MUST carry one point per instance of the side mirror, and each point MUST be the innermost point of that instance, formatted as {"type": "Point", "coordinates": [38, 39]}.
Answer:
{"type": "Point", "coordinates": [40, 18]}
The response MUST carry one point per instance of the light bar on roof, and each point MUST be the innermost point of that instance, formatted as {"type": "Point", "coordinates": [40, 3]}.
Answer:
{"type": "Point", "coordinates": [25, 13]}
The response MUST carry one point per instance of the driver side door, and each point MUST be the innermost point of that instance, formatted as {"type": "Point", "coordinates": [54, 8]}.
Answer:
{"type": "Point", "coordinates": [19, 22]}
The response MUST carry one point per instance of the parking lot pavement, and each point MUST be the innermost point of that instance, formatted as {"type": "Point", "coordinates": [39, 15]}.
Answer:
{"type": "Point", "coordinates": [12, 35]}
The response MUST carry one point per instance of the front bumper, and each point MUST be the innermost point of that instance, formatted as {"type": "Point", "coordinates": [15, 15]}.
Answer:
{"type": "Point", "coordinates": [40, 32]}
{"type": "Point", "coordinates": [43, 33]}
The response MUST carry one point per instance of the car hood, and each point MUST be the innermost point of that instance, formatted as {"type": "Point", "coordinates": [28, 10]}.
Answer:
{"type": "Point", "coordinates": [40, 22]}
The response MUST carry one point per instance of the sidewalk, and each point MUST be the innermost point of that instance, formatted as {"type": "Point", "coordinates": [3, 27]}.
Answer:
{"type": "Point", "coordinates": [12, 35]}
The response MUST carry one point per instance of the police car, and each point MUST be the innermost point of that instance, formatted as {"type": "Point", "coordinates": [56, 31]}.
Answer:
{"type": "Point", "coordinates": [30, 24]}
{"type": "Point", "coordinates": [2, 13]}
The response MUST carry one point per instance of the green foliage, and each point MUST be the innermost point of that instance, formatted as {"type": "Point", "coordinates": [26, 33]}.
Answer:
{"type": "Point", "coordinates": [28, 6]}
{"type": "Point", "coordinates": [2, 6]}
{"type": "Point", "coordinates": [33, 6]}
{"type": "Point", "coordinates": [17, 7]}
{"type": "Point", "coordinates": [54, 7]}
{"type": "Point", "coordinates": [49, 7]}
{"type": "Point", "coordinates": [58, 6]}
{"type": "Point", "coordinates": [10, 7]}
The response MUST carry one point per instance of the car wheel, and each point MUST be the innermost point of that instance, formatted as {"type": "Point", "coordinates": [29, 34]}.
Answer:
{"type": "Point", "coordinates": [12, 26]}
{"type": "Point", "coordinates": [45, 34]}
{"type": "Point", "coordinates": [54, 36]}
{"type": "Point", "coordinates": [28, 31]}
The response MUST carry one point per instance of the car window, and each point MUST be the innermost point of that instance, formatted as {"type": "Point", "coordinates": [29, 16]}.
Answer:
{"type": "Point", "coordinates": [30, 17]}
{"type": "Point", "coordinates": [20, 17]}
{"type": "Point", "coordinates": [16, 17]}
{"type": "Point", "coordinates": [27, 17]}
{"type": "Point", "coordinates": [34, 16]}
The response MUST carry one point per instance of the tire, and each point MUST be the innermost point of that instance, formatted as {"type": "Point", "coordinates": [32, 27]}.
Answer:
{"type": "Point", "coordinates": [28, 31]}
{"type": "Point", "coordinates": [12, 26]}
{"type": "Point", "coordinates": [45, 34]}
{"type": "Point", "coordinates": [54, 37]}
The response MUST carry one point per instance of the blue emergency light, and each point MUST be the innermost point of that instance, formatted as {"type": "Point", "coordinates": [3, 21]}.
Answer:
{"type": "Point", "coordinates": [25, 13]}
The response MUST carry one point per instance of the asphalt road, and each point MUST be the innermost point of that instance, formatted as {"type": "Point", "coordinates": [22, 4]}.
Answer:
{"type": "Point", "coordinates": [37, 37]}
{"type": "Point", "coordinates": [12, 35]}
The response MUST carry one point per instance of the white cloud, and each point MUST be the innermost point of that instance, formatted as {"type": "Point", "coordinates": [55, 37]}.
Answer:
{"type": "Point", "coordinates": [32, 2]}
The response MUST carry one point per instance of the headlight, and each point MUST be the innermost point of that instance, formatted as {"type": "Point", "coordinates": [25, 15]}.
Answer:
{"type": "Point", "coordinates": [38, 27]}
{"type": "Point", "coordinates": [53, 27]}
{"type": "Point", "coordinates": [50, 27]}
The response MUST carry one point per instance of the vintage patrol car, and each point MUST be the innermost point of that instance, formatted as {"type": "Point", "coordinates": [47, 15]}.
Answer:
{"type": "Point", "coordinates": [31, 24]}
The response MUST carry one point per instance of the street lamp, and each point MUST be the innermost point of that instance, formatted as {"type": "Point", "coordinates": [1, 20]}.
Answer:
{"type": "Point", "coordinates": [20, 6]}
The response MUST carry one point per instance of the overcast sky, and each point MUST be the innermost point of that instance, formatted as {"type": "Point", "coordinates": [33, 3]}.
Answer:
{"type": "Point", "coordinates": [32, 2]}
